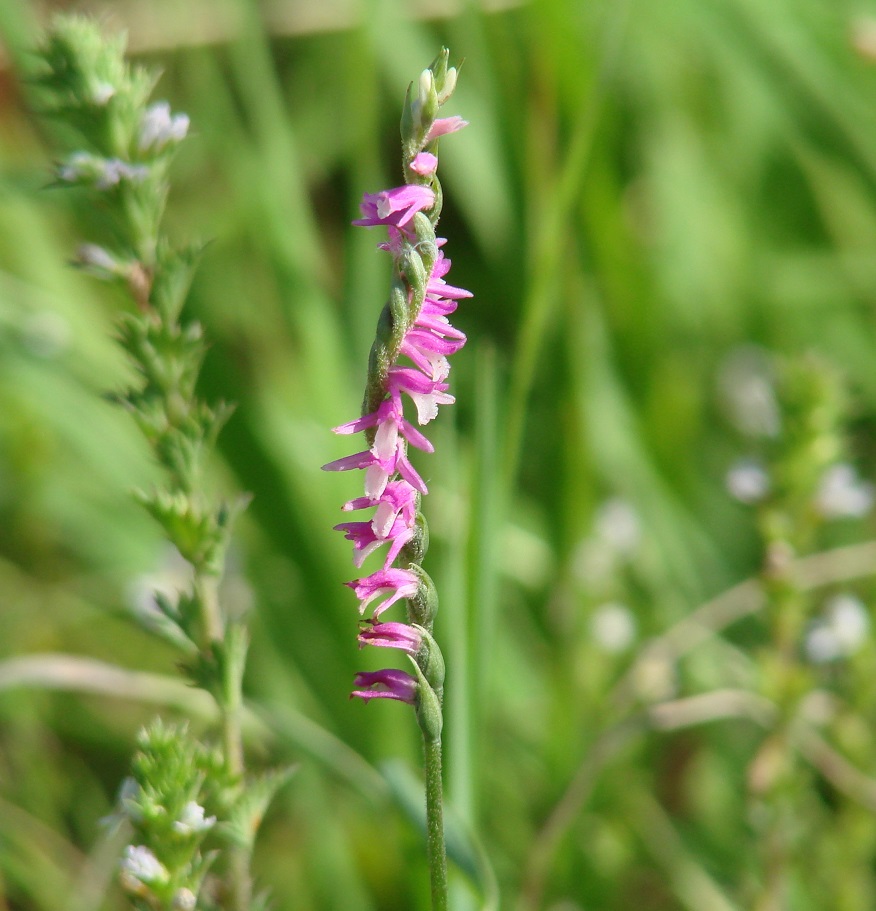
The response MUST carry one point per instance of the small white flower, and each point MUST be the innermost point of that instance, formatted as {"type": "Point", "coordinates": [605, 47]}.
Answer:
{"type": "Point", "coordinates": [77, 166]}
{"type": "Point", "coordinates": [747, 481]}
{"type": "Point", "coordinates": [192, 820]}
{"type": "Point", "coordinates": [613, 627]}
{"type": "Point", "coordinates": [102, 173]}
{"type": "Point", "coordinates": [141, 864]}
{"type": "Point", "coordinates": [158, 127]}
{"type": "Point", "coordinates": [842, 494]}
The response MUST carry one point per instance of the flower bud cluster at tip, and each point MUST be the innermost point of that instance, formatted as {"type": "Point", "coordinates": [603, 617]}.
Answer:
{"type": "Point", "coordinates": [408, 365]}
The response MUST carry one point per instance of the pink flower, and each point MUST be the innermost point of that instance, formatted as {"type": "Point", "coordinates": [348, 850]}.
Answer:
{"type": "Point", "coordinates": [424, 163]}
{"type": "Point", "coordinates": [379, 469]}
{"type": "Point", "coordinates": [391, 635]}
{"type": "Point", "coordinates": [394, 207]}
{"type": "Point", "coordinates": [397, 583]}
{"type": "Point", "coordinates": [366, 540]}
{"type": "Point", "coordinates": [425, 393]}
{"type": "Point", "coordinates": [386, 684]}
{"type": "Point", "coordinates": [445, 125]}
{"type": "Point", "coordinates": [428, 349]}
{"type": "Point", "coordinates": [398, 500]}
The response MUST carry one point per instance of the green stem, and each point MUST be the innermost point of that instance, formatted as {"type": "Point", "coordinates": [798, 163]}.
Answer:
{"type": "Point", "coordinates": [435, 847]}
{"type": "Point", "coordinates": [229, 700]}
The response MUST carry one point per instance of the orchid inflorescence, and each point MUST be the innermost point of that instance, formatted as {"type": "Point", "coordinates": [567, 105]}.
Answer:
{"type": "Point", "coordinates": [413, 325]}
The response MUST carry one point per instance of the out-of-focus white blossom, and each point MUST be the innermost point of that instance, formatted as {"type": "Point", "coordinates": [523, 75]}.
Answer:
{"type": "Point", "coordinates": [842, 494]}
{"type": "Point", "coordinates": [747, 481]}
{"type": "Point", "coordinates": [613, 627]}
{"type": "Point", "coordinates": [617, 523]}
{"type": "Point", "coordinates": [139, 863]}
{"type": "Point", "coordinates": [840, 631]}
{"type": "Point", "coordinates": [746, 388]}
{"type": "Point", "coordinates": [184, 900]}
{"type": "Point", "coordinates": [159, 128]}
{"type": "Point", "coordinates": [192, 820]}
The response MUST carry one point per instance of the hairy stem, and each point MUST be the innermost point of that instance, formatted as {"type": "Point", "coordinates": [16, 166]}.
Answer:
{"type": "Point", "coordinates": [435, 847]}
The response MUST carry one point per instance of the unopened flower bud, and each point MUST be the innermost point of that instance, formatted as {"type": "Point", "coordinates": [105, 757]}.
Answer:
{"type": "Point", "coordinates": [448, 86]}
{"type": "Point", "coordinates": [426, 105]}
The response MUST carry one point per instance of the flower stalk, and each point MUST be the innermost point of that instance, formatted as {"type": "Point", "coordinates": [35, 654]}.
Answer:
{"type": "Point", "coordinates": [407, 364]}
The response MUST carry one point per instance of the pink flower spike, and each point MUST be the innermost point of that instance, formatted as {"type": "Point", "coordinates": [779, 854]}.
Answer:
{"type": "Point", "coordinates": [445, 125]}
{"type": "Point", "coordinates": [424, 163]}
{"type": "Point", "coordinates": [386, 684]}
{"type": "Point", "coordinates": [394, 207]}
{"type": "Point", "coordinates": [397, 583]}
{"type": "Point", "coordinates": [391, 635]}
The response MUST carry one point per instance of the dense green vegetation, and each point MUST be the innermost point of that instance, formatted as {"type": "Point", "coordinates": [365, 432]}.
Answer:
{"type": "Point", "coordinates": [654, 203]}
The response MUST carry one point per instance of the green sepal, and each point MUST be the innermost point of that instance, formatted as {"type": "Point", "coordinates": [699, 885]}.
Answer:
{"type": "Point", "coordinates": [246, 815]}
{"type": "Point", "coordinates": [415, 550]}
{"type": "Point", "coordinates": [423, 606]}
{"type": "Point", "coordinates": [430, 661]}
{"type": "Point", "coordinates": [168, 356]}
{"type": "Point", "coordinates": [186, 525]}
{"type": "Point", "coordinates": [168, 622]}
{"type": "Point", "coordinates": [416, 276]}
{"type": "Point", "coordinates": [174, 272]}
{"type": "Point", "coordinates": [406, 127]}
{"type": "Point", "coordinates": [428, 707]}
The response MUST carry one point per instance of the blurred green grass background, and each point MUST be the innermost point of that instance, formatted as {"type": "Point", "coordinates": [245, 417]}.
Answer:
{"type": "Point", "coordinates": [644, 188]}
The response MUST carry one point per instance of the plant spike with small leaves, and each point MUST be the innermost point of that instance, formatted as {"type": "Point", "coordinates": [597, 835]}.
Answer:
{"type": "Point", "coordinates": [413, 325]}
{"type": "Point", "coordinates": [127, 145]}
